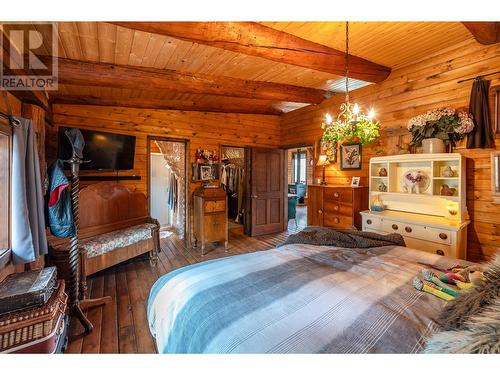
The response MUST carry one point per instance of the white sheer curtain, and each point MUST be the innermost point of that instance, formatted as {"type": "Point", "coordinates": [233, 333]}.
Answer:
{"type": "Point", "coordinates": [28, 221]}
{"type": "Point", "coordinates": [175, 156]}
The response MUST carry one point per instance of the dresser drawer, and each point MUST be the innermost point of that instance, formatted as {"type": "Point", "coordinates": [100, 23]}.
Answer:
{"type": "Point", "coordinates": [391, 226]}
{"type": "Point", "coordinates": [372, 223]}
{"type": "Point", "coordinates": [337, 208]}
{"type": "Point", "coordinates": [436, 235]}
{"type": "Point", "coordinates": [429, 247]}
{"type": "Point", "coordinates": [337, 221]}
{"type": "Point", "coordinates": [338, 194]}
{"type": "Point", "coordinates": [215, 206]}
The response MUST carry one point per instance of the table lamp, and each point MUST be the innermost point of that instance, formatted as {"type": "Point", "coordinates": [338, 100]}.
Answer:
{"type": "Point", "coordinates": [323, 162]}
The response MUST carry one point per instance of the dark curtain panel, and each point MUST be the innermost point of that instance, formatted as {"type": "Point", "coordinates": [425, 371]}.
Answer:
{"type": "Point", "coordinates": [482, 135]}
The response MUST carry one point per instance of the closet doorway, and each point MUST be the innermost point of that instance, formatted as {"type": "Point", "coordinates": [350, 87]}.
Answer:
{"type": "Point", "coordinates": [168, 185]}
{"type": "Point", "coordinates": [300, 168]}
{"type": "Point", "coordinates": [234, 180]}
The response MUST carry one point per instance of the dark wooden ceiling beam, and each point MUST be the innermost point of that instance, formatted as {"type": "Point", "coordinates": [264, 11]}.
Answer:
{"type": "Point", "coordinates": [76, 72]}
{"type": "Point", "coordinates": [254, 39]}
{"type": "Point", "coordinates": [220, 104]}
{"type": "Point", "coordinates": [484, 32]}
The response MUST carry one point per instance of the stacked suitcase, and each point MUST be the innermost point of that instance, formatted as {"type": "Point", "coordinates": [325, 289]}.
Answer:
{"type": "Point", "coordinates": [33, 312]}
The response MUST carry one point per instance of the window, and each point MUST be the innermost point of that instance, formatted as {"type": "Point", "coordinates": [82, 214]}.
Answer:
{"type": "Point", "coordinates": [299, 166]}
{"type": "Point", "coordinates": [5, 158]}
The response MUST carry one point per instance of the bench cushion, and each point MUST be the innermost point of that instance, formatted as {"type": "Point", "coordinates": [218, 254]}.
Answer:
{"type": "Point", "coordinates": [107, 242]}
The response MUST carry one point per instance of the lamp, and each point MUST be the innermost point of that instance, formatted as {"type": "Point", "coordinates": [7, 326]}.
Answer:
{"type": "Point", "coordinates": [323, 162]}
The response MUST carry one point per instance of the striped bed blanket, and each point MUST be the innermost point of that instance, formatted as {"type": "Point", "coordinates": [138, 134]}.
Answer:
{"type": "Point", "coordinates": [297, 299]}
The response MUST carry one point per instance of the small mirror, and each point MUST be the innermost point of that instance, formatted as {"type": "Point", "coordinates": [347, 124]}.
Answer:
{"type": "Point", "coordinates": [495, 176]}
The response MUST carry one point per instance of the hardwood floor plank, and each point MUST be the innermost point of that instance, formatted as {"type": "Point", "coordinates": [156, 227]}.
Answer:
{"type": "Point", "coordinates": [92, 342]}
{"type": "Point", "coordinates": [109, 330]}
{"type": "Point", "coordinates": [126, 334]}
{"type": "Point", "coordinates": [138, 303]}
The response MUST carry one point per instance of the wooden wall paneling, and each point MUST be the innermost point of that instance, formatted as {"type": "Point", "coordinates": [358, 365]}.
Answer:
{"type": "Point", "coordinates": [427, 83]}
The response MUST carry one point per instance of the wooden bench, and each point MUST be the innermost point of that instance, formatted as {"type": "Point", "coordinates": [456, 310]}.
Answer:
{"type": "Point", "coordinates": [114, 227]}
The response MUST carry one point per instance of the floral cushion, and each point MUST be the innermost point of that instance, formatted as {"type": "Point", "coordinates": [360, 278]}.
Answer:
{"type": "Point", "coordinates": [119, 238]}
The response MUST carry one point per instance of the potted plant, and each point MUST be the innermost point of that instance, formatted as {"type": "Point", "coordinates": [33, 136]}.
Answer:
{"type": "Point", "coordinates": [439, 127]}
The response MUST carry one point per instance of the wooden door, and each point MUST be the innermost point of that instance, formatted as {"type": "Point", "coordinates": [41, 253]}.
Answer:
{"type": "Point", "coordinates": [315, 205]}
{"type": "Point", "coordinates": [268, 203]}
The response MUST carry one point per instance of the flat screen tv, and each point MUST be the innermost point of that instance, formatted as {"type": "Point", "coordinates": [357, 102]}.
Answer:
{"type": "Point", "coordinates": [106, 151]}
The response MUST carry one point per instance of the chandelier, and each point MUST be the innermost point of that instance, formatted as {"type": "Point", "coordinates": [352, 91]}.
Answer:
{"type": "Point", "coordinates": [351, 125]}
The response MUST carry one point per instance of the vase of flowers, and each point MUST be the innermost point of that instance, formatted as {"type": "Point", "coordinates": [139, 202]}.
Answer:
{"type": "Point", "coordinates": [439, 127]}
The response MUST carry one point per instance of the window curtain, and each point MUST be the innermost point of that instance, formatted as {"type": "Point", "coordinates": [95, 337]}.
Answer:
{"type": "Point", "coordinates": [482, 135]}
{"type": "Point", "coordinates": [29, 240]}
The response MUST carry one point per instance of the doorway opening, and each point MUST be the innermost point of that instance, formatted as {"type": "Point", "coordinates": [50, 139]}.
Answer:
{"type": "Point", "coordinates": [300, 165]}
{"type": "Point", "coordinates": [167, 185]}
{"type": "Point", "coordinates": [234, 181]}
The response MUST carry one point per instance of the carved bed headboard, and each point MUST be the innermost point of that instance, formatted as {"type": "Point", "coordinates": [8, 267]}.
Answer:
{"type": "Point", "coordinates": [106, 203]}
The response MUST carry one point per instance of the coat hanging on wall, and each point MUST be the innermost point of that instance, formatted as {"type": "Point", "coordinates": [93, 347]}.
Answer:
{"type": "Point", "coordinates": [482, 135]}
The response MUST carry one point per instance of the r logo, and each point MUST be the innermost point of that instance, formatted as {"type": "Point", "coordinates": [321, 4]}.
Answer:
{"type": "Point", "coordinates": [21, 46]}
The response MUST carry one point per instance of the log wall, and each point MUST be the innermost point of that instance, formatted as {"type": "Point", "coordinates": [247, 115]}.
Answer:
{"type": "Point", "coordinates": [411, 90]}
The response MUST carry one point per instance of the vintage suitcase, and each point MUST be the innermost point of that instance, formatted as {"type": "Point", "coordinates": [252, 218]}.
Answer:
{"type": "Point", "coordinates": [28, 289]}
{"type": "Point", "coordinates": [24, 328]}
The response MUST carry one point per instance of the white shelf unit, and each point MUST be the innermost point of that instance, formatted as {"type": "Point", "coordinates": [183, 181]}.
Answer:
{"type": "Point", "coordinates": [428, 221]}
{"type": "Point", "coordinates": [430, 201]}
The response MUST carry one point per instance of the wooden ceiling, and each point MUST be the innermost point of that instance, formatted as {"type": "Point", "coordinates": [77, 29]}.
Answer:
{"type": "Point", "coordinates": [387, 44]}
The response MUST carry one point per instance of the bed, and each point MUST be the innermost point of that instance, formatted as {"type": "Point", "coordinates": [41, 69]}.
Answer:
{"type": "Point", "coordinates": [297, 299]}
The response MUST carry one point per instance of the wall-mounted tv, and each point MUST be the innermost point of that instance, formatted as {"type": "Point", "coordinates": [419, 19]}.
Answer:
{"type": "Point", "coordinates": [106, 151]}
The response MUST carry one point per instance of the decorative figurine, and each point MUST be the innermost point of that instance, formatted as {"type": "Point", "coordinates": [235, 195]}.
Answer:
{"type": "Point", "coordinates": [377, 204]}
{"type": "Point", "coordinates": [382, 172]}
{"type": "Point", "coordinates": [414, 181]}
{"type": "Point", "coordinates": [448, 172]}
{"type": "Point", "coordinates": [382, 187]}
{"type": "Point", "coordinates": [447, 191]}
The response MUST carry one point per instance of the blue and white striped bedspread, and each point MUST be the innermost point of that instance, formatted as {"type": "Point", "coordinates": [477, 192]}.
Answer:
{"type": "Point", "coordinates": [296, 299]}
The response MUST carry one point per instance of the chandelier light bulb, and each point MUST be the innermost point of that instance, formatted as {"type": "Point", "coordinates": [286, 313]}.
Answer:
{"type": "Point", "coordinates": [328, 119]}
{"type": "Point", "coordinates": [371, 114]}
{"type": "Point", "coordinates": [355, 109]}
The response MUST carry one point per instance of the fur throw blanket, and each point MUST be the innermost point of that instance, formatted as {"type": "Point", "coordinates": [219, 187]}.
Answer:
{"type": "Point", "coordinates": [348, 238]}
{"type": "Point", "coordinates": [471, 323]}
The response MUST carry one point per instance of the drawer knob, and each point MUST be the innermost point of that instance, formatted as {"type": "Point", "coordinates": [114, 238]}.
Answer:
{"type": "Point", "coordinates": [440, 252]}
{"type": "Point", "coordinates": [368, 221]}
{"type": "Point", "coordinates": [335, 208]}
{"type": "Point", "coordinates": [408, 229]}
{"type": "Point", "coordinates": [320, 212]}
{"type": "Point", "coordinates": [336, 194]}
{"type": "Point", "coordinates": [395, 227]}
{"type": "Point", "coordinates": [443, 236]}
{"type": "Point", "coordinates": [336, 220]}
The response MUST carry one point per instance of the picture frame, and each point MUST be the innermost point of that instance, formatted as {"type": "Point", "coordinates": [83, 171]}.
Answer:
{"type": "Point", "coordinates": [355, 181]}
{"type": "Point", "coordinates": [350, 156]}
{"type": "Point", "coordinates": [206, 173]}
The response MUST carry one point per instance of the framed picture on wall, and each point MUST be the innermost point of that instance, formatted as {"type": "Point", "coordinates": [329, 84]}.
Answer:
{"type": "Point", "coordinates": [207, 172]}
{"type": "Point", "coordinates": [355, 181]}
{"type": "Point", "coordinates": [350, 156]}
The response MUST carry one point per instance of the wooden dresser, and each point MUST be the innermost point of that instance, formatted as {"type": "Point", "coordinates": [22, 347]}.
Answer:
{"type": "Point", "coordinates": [336, 206]}
{"type": "Point", "coordinates": [210, 217]}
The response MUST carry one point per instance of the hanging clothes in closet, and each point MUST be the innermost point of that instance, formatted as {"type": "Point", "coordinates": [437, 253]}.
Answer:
{"type": "Point", "coordinates": [233, 182]}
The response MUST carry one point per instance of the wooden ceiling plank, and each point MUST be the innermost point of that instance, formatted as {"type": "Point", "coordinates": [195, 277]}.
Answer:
{"type": "Point", "coordinates": [484, 32]}
{"type": "Point", "coordinates": [258, 40]}
{"type": "Point", "coordinates": [109, 75]}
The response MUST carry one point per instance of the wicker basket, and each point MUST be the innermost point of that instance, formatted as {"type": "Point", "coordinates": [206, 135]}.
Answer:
{"type": "Point", "coordinates": [25, 326]}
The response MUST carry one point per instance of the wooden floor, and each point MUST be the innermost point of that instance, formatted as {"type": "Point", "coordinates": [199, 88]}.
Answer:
{"type": "Point", "coordinates": [121, 326]}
